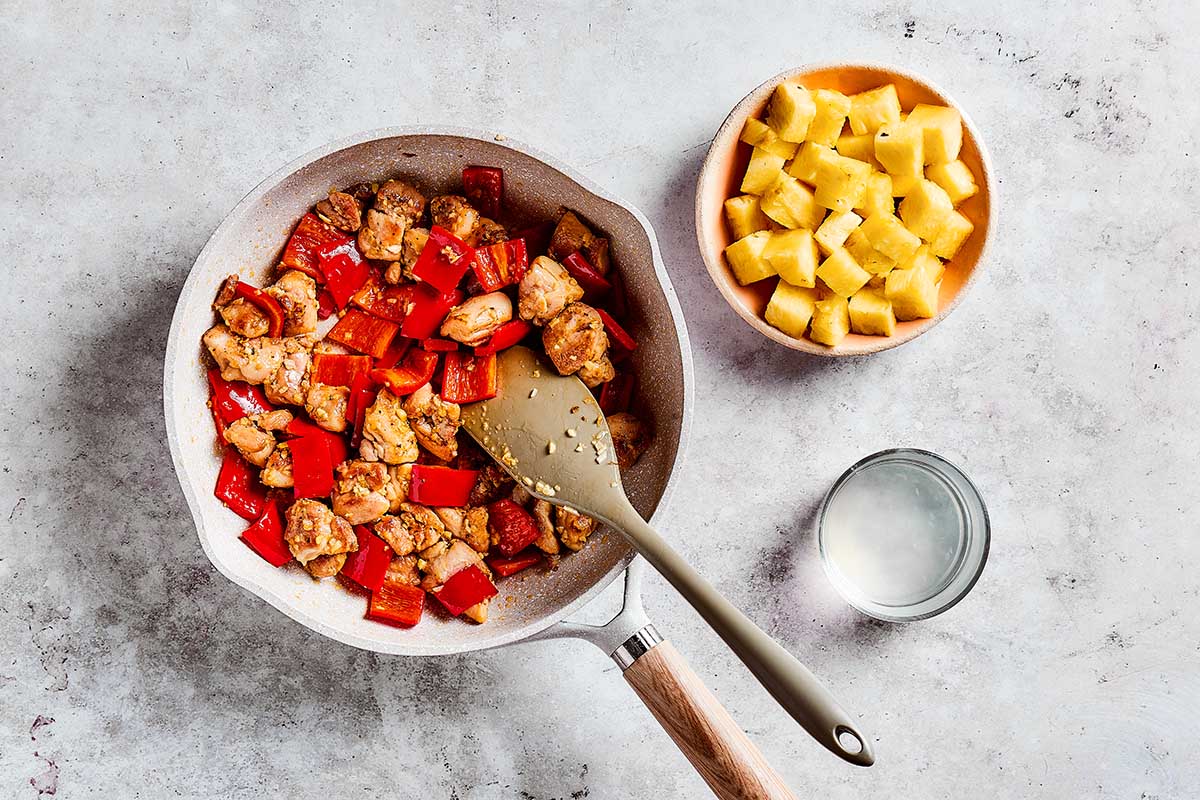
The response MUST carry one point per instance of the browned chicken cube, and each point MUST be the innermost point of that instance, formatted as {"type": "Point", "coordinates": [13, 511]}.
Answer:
{"type": "Point", "coordinates": [399, 481]}
{"type": "Point", "coordinates": [313, 530]}
{"type": "Point", "coordinates": [573, 528]}
{"type": "Point", "coordinates": [630, 438]}
{"type": "Point", "coordinates": [473, 321]}
{"type": "Point", "coordinates": [543, 514]}
{"type": "Point", "coordinates": [277, 472]}
{"type": "Point", "coordinates": [242, 359]}
{"type": "Point", "coordinates": [288, 385]}
{"type": "Point", "coordinates": [571, 235]}
{"type": "Point", "coordinates": [400, 199]}
{"type": "Point", "coordinates": [382, 237]}
{"type": "Point", "coordinates": [240, 315]}
{"type": "Point", "coordinates": [326, 404]}
{"type": "Point", "coordinates": [387, 436]}
{"type": "Point", "coordinates": [434, 421]}
{"type": "Point", "coordinates": [297, 294]}
{"type": "Point", "coordinates": [545, 290]}
{"type": "Point", "coordinates": [488, 232]}
{"type": "Point", "coordinates": [415, 240]}
{"type": "Point", "coordinates": [253, 435]}
{"type": "Point", "coordinates": [478, 612]}
{"type": "Point", "coordinates": [358, 492]}
{"type": "Point", "coordinates": [455, 214]}
{"type": "Point", "coordinates": [326, 566]}
{"type": "Point", "coordinates": [458, 556]}
{"type": "Point", "coordinates": [594, 373]}
{"type": "Point", "coordinates": [575, 338]}
{"type": "Point", "coordinates": [403, 570]}
{"type": "Point", "coordinates": [414, 528]}
{"type": "Point", "coordinates": [469, 524]}
{"type": "Point", "coordinates": [341, 210]}
{"type": "Point", "coordinates": [491, 484]}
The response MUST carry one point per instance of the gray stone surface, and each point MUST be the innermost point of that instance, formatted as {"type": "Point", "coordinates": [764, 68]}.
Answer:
{"type": "Point", "coordinates": [1064, 386]}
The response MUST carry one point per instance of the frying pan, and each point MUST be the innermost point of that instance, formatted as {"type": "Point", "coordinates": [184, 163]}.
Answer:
{"type": "Point", "coordinates": [249, 241]}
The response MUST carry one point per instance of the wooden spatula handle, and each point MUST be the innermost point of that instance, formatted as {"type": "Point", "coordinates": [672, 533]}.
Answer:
{"type": "Point", "coordinates": [719, 750]}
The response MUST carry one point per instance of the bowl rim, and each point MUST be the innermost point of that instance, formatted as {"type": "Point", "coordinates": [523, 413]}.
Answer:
{"type": "Point", "coordinates": [535, 624]}
{"type": "Point", "coordinates": [731, 127]}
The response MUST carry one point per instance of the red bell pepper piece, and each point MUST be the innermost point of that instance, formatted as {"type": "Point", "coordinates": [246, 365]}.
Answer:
{"type": "Point", "coordinates": [507, 335]}
{"type": "Point", "coordinates": [218, 423]}
{"type": "Point", "coordinates": [368, 565]}
{"type": "Point", "coordinates": [335, 443]}
{"type": "Point", "coordinates": [346, 271]}
{"type": "Point", "coordinates": [484, 187]}
{"type": "Point", "coordinates": [464, 589]}
{"type": "Point", "coordinates": [360, 331]}
{"type": "Point", "coordinates": [385, 302]}
{"type": "Point", "coordinates": [325, 304]}
{"type": "Point", "coordinates": [439, 345]}
{"type": "Point", "coordinates": [339, 369]}
{"type": "Point", "coordinates": [444, 260]}
{"type": "Point", "coordinates": [264, 303]}
{"type": "Point", "coordinates": [397, 603]}
{"type": "Point", "coordinates": [362, 395]}
{"type": "Point", "coordinates": [238, 486]}
{"type": "Point", "coordinates": [616, 395]}
{"type": "Point", "coordinates": [415, 371]}
{"type": "Point", "coordinates": [395, 352]}
{"type": "Point", "coordinates": [232, 400]}
{"type": "Point", "coordinates": [310, 238]}
{"type": "Point", "coordinates": [592, 282]}
{"type": "Point", "coordinates": [441, 486]}
{"type": "Point", "coordinates": [427, 307]}
{"type": "Point", "coordinates": [265, 536]}
{"type": "Point", "coordinates": [536, 238]}
{"type": "Point", "coordinates": [312, 466]}
{"type": "Point", "coordinates": [468, 378]}
{"type": "Point", "coordinates": [511, 565]}
{"type": "Point", "coordinates": [511, 527]}
{"type": "Point", "coordinates": [501, 264]}
{"type": "Point", "coordinates": [616, 333]}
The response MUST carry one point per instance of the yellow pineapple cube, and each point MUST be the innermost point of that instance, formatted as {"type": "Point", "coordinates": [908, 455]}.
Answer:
{"type": "Point", "coordinates": [927, 262]}
{"type": "Point", "coordinates": [745, 257]}
{"type": "Point", "coordinates": [830, 117]}
{"type": "Point", "coordinates": [953, 231]}
{"type": "Point", "coordinates": [956, 178]}
{"type": "Point", "coordinates": [841, 182]}
{"type": "Point", "coordinates": [761, 171]}
{"type": "Point", "coordinates": [757, 133]}
{"type": "Point", "coordinates": [790, 308]}
{"type": "Point", "coordinates": [924, 208]}
{"type": "Point", "coordinates": [867, 256]}
{"type": "Point", "coordinates": [871, 313]}
{"type": "Point", "coordinates": [790, 203]}
{"type": "Point", "coordinates": [842, 274]}
{"type": "Point", "coordinates": [888, 235]}
{"type": "Point", "coordinates": [830, 320]}
{"type": "Point", "coordinates": [878, 198]}
{"type": "Point", "coordinates": [793, 254]}
{"type": "Point", "coordinates": [872, 108]}
{"type": "Point", "coordinates": [791, 112]}
{"type": "Point", "coordinates": [942, 127]}
{"type": "Point", "coordinates": [903, 184]}
{"type": "Point", "coordinates": [804, 165]}
{"type": "Point", "coordinates": [900, 147]}
{"type": "Point", "coordinates": [744, 216]}
{"type": "Point", "coordinates": [912, 293]}
{"type": "Point", "coordinates": [834, 230]}
{"type": "Point", "coordinates": [861, 148]}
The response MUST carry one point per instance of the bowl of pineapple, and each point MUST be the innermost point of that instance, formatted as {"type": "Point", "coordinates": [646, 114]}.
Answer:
{"type": "Point", "coordinates": [844, 209]}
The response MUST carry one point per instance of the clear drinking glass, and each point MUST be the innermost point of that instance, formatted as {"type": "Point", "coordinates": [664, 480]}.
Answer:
{"type": "Point", "coordinates": [903, 535]}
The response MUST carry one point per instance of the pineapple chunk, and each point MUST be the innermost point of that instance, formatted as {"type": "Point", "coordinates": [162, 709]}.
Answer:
{"type": "Point", "coordinates": [912, 293]}
{"type": "Point", "coordinates": [791, 112]}
{"type": "Point", "coordinates": [834, 230]}
{"type": "Point", "coordinates": [942, 127]}
{"type": "Point", "coordinates": [867, 256]}
{"type": "Point", "coordinates": [832, 108]}
{"type": "Point", "coordinates": [878, 198]}
{"type": "Point", "coordinates": [757, 133]}
{"type": "Point", "coordinates": [871, 313]}
{"type": "Point", "coordinates": [900, 147]}
{"type": "Point", "coordinates": [842, 274]}
{"type": "Point", "coordinates": [790, 308]}
{"type": "Point", "coordinates": [745, 257]}
{"type": "Point", "coordinates": [790, 203]}
{"type": "Point", "coordinates": [888, 235]}
{"type": "Point", "coordinates": [744, 216]}
{"type": "Point", "coordinates": [903, 184]}
{"type": "Point", "coordinates": [830, 321]}
{"type": "Point", "coordinates": [953, 231]}
{"type": "Point", "coordinates": [859, 147]}
{"type": "Point", "coordinates": [761, 171]}
{"type": "Point", "coordinates": [793, 254]}
{"type": "Point", "coordinates": [927, 262]}
{"type": "Point", "coordinates": [804, 165]}
{"type": "Point", "coordinates": [870, 109]}
{"type": "Point", "coordinates": [956, 178]}
{"type": "Point", "coordinates": [841, 182]}
{"type": "Point", "coordinates": [924, 208]}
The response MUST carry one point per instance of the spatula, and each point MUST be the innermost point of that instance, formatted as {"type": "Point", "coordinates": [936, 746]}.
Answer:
{"type": "Point", "coordinates": [549, 433]}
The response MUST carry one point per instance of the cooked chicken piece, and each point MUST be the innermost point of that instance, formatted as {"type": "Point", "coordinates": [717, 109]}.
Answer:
{"type": "Point", "coordinates": [575, 337]}
{"type": "Point", "coordinates": [594, 373]}
{"type": "Point", "coordinates": [468, 524]}
{"type": "Point", "coordinates": [478, 612]}
{"type": "Point", "coordinates": [435, 550]}
{"type": "Point", "coordinates": [434, 422]}
{"type": "Point", "coordinates": [243, 317]}
{"type": "Point", "coordinates": [543, 515]}
{"type": "Point", "coordinates": [399, 199]}
{"type": "Point", "coordinates": [393, 531]}
{"type": "Point", "coordinates": [252, 435]}
{"type": "Point", "coordinates": [473, 321]}
{"type": "Point", "coordinates": [630, 438]}
{"type": "Point", "coordinates": [546, 289]}
{"type": "Point", "coordinates": [326, 566]}
{"type": "Point", "coordinates": [297, 293]}
{"type": "Point", "coordinates": [403, 570]}
{"type": "Point", "coordinates": [572, 235]}
{"type": "Point", "coordinates": [414, 527]}
{"type": "Point", "coordinates": [326, 404]}
{"type": "Point", "coordinates": [457, 557]}
{"type": "Point", "coordinates": [362, 192]}
{"type": "Point", "coordinates": [520, 496]}
{"type": "Point", "coordinates": [386, 433]}
{"type": "Point", "coordinates": [573, 528]}
{"type": "Point", "coordinates": [278, 470]}
{"type": "Point", "coordinates": [241, 359]}
{"type": "Point", "coordinates": [399, 480]}
{"type": "Point", "coordinates": [313, 530]}
{"type": "Point", "coordinates": [358, 492]}
{"type": "Point", "coordinates": [382, 237]}
{"type": "Point", "coordinates": [288, 385]}
{"type": "Point", "coordinates": [491, 484]}
{"type": "Point", "coordinates": [414, 242]}
{"type": "Point", "coordinates": [455, 214]}
{"type": "Point", "coordinates": [488, 232]}
{"type": "Point", "coordinates": [341, 210]}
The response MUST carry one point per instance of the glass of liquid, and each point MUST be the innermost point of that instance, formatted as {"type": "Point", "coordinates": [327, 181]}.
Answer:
{"type": "Point", "coordinates": [903, 535]}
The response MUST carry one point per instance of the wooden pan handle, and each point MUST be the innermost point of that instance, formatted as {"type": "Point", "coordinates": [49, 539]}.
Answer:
{"type": "Point", "coordinates": [719, 750]}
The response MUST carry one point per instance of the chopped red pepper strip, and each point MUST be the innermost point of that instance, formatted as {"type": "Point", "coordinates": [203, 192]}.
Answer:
{"type": "Point", "coordinates": [616, 333]}
{"type": "Point", "coordinates": [385, 302]}
{"type": "Point", "coordinates": [484, 187]}
{"type": "Point", "coordinates": [368, 565]}
{"type": "Point", "coordinates": [312, 467]}
{"type": "Point", "coordinates": [536, 238]}
{"type": "Point", "coordinates": [345, 272]}
{"type": "Point", "coordinates": [362, 395]}
{"type": "Point", "coordinates": [617, 394]}
{"type": "Point", "coordinates": [592, 282]}
{"type": "Point", "coordinates": [511, 565]}
{"type": "Point", "coordinates": [396, 351]}
{"type": "Point", "coordinates": [441, 486]}
{"type": "Point", "coordinates": [325, 304]}
{"type": "Point", "coordinates": [444, 260]}
{"type": "Point", "coordinates": [360, 331]}
{"type": "Point", "coordinates": [265, 536]}
{"type": "Point", "coordinates": [310, 238]}
{"type": "Point", "coordinates": [511, 527]}
{"type": "Point", "coordinates": [439, 345]}
{"type": "Point", "coordinates": [264, 303]}
{"type": "Point", "coordinates": [338, 369]}
{"type": "Point", "coordinates": [464, 589]}
{"type": "Point", "coordinates": [427, 307]}
{"type": "Point", "coordinates": [501, 264]}
{"type": "Point", "coordinates": [218, 423]}
{"type": "Point", "coordinates": [468, 378]}
{"type": "Point", "coordinates": [397, 603]}
{"type": "Point", "coordinates": [232, 400]}
{"type": "Point", "coordinates": [415, 371]}
{"type": "Point", "coordinates": [238, 486]}
{"type": "Point", "coordinates": [507, 335]}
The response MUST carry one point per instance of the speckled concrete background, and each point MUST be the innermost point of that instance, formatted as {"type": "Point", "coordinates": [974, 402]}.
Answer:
{"type": "Point", "coordinates": [1064, 385]}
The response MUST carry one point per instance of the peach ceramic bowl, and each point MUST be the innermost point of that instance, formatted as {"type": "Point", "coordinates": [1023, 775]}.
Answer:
{"type": "Point", "coordinates": [721, 176]}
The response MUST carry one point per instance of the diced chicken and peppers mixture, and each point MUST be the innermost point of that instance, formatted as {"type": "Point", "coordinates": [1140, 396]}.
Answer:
{"type": "Point", "coordinates": [344, 450]}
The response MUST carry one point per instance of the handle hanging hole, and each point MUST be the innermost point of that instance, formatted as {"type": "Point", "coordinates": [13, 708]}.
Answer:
{"type": "Point", "coordinates": [848, 740]}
